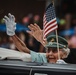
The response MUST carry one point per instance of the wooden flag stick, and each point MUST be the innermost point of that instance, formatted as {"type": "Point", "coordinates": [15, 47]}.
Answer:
{"type": "Point", "coordinates": [57, 45]}
{"type": "Point", "coordinates": [57, 39]}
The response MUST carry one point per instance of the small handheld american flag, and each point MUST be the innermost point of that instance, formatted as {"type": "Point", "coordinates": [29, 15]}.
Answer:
{"type": "Point", "coordinates": [49, 21]}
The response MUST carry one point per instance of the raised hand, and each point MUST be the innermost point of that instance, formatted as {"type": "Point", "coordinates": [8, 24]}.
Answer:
{"type": "Point", "coordinates": [36, 32]}
{"type": "Point", "coordinates": [10, 24]}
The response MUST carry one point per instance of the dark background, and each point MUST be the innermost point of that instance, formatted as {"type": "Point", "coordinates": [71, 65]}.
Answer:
{"type": "Point", "coordinates": [21, 8]}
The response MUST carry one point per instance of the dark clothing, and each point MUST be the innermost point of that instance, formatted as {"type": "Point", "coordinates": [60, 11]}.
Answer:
{"type": "Point", "coordinates": [72, 56]}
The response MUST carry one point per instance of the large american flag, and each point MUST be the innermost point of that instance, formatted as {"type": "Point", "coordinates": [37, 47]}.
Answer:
{"type": "Point", "coordinates": [49, 20]}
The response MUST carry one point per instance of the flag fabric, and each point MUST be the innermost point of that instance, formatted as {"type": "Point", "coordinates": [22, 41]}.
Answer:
{"type": "Point", "coordinates": [49, 20]}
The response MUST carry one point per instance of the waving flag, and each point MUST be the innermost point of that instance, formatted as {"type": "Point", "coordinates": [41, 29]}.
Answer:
{"type": "Point", "coordinates": [49, 21]}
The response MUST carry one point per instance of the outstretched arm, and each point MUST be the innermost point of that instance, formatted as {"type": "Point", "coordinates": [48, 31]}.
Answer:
{"type": "Point", "coordinates": [21, 46]}
{"type": "Point", "coordinates": [10, 30]}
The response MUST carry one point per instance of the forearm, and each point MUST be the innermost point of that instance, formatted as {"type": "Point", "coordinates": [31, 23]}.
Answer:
{"type": "Point", "coordinates": [10, 30]}
{"type": "Point", "coordinates": [20, 44]}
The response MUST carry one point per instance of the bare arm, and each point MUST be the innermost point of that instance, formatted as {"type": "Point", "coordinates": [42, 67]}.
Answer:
{"type": "Point", "coordinates": [21, 46]}
{"type": "Point", "coordinates": [10, 30]}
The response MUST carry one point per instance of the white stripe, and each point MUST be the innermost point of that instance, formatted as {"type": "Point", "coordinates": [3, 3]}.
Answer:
{"type": "Point", "coordinates": [44, 23]}
{"type": "Point", "coordinates": [50, 30]}
{"type": "Point", "coordinates": [50, 22]}
{"type": "Point", "coordinates": [50, 26]}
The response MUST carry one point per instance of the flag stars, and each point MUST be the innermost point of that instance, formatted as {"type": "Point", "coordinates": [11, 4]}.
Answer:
{"type": "Point", "coordinates": [49, 20]}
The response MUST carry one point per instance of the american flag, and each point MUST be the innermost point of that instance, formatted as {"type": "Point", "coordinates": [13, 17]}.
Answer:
{"type": "Point", "coordinates": [49, 21]}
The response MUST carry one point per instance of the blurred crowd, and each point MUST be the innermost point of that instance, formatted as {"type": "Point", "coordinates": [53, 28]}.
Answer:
{"type": "Point", "coordinates": [66, 28]}
{"type": "Point", "coordinates": [31, 42]}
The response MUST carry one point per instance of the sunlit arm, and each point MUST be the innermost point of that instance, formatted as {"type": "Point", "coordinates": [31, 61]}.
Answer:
{"type": "Point", "coordinates": [21, 46]}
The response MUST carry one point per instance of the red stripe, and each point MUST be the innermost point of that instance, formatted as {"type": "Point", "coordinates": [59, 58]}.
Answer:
{"type": "Point", "coordinates": [50, 23]}
{"type": "Point", "coordinates": [50, 28]}
{"type": "Point", "coordinates": [51, 31]}
{"type": "Point", "coordinates": [45, 23]}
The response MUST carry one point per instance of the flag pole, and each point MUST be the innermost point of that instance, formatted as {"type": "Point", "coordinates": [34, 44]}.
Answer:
{"type": "Point", "coordinates": [57, 45]}
{"type": "Point", "coordinates": [57, 39]}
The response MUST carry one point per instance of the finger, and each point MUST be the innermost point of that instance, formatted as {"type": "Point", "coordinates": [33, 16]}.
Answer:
{"type": "Point", "coordinates": [33, 27]}
{"type": "Point", "coordinates": [4, 20]}
{"type": "Point", "coordinates": [37, 27]}
{"type": "Point", "coordinates": [11, 17]}
{"type": "Point", "coordinates": [44, 41]}
{"type": "Point", "coordinates": [5, 17]}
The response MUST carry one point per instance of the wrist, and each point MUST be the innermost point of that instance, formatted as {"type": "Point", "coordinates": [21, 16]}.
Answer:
{"type": "Point", "coordinates": [10, 33]}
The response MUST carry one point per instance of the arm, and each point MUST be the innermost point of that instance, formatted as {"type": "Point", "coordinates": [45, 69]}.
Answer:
{"type": "Point", "coordinates": [21, 46]}
{"type": "Point", "coordinates": [10, 30]}
{"type": "Point", "coordinates": [36, 57]}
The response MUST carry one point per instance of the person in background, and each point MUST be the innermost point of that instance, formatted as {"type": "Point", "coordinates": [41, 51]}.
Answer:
{"type": "Point", "coordinates": [4, 43]}
{"type": "Point", "coordinates": [51, 55]}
